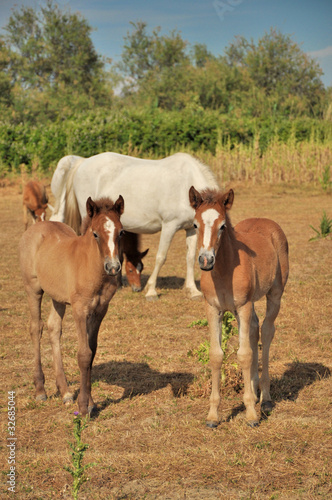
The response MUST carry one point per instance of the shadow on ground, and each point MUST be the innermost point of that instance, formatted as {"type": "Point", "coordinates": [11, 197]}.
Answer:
{"type": "Point", "coordinates": [138, 378]}
{"type": "Point", "coordinates": [288, 386]}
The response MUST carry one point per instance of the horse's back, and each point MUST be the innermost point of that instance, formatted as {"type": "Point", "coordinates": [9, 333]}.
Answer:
{"type": "Point", "coordinates": [265, 227]}
{"type": "Point", "coordinates": [264, 234]}
{"type": "Point", "coordinates": [37, 249]}
{"type": "Point", "coordinates": [39, 234]}
{"type": "Point", "coordinates": [153, 190]}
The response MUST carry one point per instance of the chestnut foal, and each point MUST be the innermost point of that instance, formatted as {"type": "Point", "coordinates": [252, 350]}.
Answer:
{"type": "Point", "coordinates": [35, 202]}
{"type": "Point", "coordinates": [240, 265]}
{"type": "Point", "coordinates": [77, 270]}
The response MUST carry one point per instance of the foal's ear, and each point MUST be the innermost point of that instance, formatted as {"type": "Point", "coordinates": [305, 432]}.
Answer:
{"type": "Point", "coordinates": [227, 199]}
{"type": "Point", "coordinates": [91, 207]}
{"type": "Point", "coordinates": [195, 198]}
{"type": "Point", "coordinates": [118, 206]}
{"type": "Point", "coordinates": [143, 254]}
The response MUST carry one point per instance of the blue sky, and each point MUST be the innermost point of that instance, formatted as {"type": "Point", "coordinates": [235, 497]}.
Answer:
{"type": "Point", "coordinates": [213, 22]}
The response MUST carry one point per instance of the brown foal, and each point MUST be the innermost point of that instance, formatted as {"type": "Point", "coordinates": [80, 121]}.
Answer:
{"type": "Point", "coordinates": [77, 270]}
{"type": "Point", "coordinates": [35, 202]}
{"type": "Point", "coordinates": [240, 266]}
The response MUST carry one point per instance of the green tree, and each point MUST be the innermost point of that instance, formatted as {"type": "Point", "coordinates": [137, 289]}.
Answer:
{"type": "Point", "coordinates": [51, 53]}
{"type": "Point", "coordinates": [5, 82]}
{"type": "Point", "coordinates": [154, 66]}
{"type": "Point", "coordinates": [279, 67]}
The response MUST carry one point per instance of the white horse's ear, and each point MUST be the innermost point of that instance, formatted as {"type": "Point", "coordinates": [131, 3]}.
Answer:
{"type": "Point", "coordinates": [195, 198]}
{"type": "Point", "coordinates": [51, 208]}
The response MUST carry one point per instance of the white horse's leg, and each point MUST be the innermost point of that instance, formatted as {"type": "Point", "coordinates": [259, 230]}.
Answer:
{"type": "Point", "coordinates": [216, 357]}
{"type": "Point", "coordinates": [166, 236]}
{"type": "Point", "coordinates": [191, 241]}
{"type": "Point", "coordinates": [245, 356]}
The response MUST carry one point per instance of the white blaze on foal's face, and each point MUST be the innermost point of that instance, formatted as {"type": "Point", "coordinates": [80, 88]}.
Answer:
{"type": "Point", "coordinates": [110, 229]}
{"type": "Point", "coordinates": [209, 218]}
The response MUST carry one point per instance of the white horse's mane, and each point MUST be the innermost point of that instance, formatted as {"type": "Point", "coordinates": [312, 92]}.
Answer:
{"type": "Point", "coordinates": [205, 169]}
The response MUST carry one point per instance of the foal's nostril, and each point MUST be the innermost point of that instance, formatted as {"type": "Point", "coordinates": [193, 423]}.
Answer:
{"type": "Point", "coordinates": [112, 267]}
{"type": "Point", "coordinates": [206, 261]}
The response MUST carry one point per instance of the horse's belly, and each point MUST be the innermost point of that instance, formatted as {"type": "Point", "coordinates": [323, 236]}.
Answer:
{"type": "Point", "coordinates": [143, 224]}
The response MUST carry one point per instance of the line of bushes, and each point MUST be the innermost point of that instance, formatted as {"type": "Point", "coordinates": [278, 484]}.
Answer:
{"type": "Point", "coordinates": [149, 133]}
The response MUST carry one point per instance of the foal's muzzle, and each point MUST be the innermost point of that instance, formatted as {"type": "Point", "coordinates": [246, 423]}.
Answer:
{"type": "Point", "coordinates": [112, 266]}
{"type": "Point", "coordinates": [206, 260]}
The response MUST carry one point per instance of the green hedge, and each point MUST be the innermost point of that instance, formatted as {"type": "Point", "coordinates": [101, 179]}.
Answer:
{"type": "Point", "coordinates": [151, 133]}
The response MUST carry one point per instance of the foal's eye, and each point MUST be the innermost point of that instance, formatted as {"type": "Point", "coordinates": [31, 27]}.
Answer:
{"type": "Point", "coordinates": [121, 233]}
{"type": "Point", "coordinates": [222, 227]}
{"type": "Point", "coordinates": [95, 235]}
{"type": "Point", "coordinates": [195, 225]}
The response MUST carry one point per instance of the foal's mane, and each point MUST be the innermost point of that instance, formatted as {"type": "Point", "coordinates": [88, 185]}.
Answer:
{"type": "Point", "coordinates": [104, 205]}
{"type": "Point", "coordinates": [210, 196]}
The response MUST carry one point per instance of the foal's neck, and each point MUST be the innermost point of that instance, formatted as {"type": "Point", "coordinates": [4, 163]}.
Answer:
{"type": "Point", "coordinates": [227, 248]}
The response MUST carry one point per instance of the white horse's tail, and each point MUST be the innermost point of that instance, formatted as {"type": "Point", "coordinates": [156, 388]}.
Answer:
{"type": "Point", "coordinates": [72, 214]}
{"type": "Point", "coordinates": [58, 183]}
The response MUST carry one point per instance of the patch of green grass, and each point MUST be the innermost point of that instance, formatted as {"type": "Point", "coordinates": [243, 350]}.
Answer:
{"type": "Point", "coordinates": [325, 228]}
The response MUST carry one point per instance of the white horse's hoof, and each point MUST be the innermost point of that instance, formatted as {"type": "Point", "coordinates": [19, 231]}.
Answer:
{"type": "Point", "coordinates": [151, 297]}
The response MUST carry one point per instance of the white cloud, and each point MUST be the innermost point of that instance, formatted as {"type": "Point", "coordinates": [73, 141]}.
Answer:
{"type": "Point", "coordinates": [326, 52]}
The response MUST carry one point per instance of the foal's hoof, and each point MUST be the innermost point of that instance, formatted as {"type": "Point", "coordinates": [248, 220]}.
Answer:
{"type": "Point", "coordinates": [68, 399]}
{"type": "Point", "coordinates": [41, 397]}
{"type": "Point", "coordinates": [267, 407]}
{"type": "Point", "coordinates": [91, 409]}
{"type": "Point", "coordinates": [253, 423]}
{"type": "Point", "coordinates": [212, 424]}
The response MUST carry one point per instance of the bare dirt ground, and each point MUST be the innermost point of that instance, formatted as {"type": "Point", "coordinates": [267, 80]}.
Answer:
{"type": "Point", "coordinates": [148, 437]}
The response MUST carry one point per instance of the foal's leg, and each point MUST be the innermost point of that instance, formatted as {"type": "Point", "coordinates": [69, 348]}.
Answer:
{"type": "Point", "coordinates": [94, 323]}
{"type": "Point", "coordinates": [54, 325]}
{"type": "Point", "coordinates": [254, 337]}
{"type": "Point", "coordinates": [166, 236]}
{"type": "Point", "coordinates": [268, 329]}
{"type": "Point", "coordinates": [191, 240]}
{"type": "Point", "coordinates": [84, 357]}
{"type": "Point", "coordinates": [25, 217]}
{"type": "Point", "coordinates": [246, 357]}
{"type": "Point", "coordinates": [216, 357]}
{"type": "Point", "coordinates": [36, 331]}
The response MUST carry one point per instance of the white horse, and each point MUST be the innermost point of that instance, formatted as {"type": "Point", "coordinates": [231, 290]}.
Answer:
{"type": "Point", "coordinates": [155, 194]}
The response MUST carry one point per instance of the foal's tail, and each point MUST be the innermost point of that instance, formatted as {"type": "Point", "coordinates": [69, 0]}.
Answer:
{"type": "Point", "coordinates": [280, 243]}
{"type": "Point", "coordinates": [72, 214]}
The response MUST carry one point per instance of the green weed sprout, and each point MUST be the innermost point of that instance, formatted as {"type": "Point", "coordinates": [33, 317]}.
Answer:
{"type": "Point", "coordinates": [203, 351]}
{"type": "Point", "coordinates": [325, 179]}
{"type": "Point", "coordinates": [325, 228]}
{"type": "Point", "coordinates": [77, 454]}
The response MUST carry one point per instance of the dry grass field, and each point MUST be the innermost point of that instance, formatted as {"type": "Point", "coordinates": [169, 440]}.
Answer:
{"type": "Point", "coordinates": [148, 438]}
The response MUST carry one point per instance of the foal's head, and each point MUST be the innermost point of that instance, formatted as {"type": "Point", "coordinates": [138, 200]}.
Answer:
{"type": "Point", "coordinates": [103, 222]}
{"type": "Point", "coordinates": [40, 213]}
{"type": "Point", "coordinates": [210, 221]}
